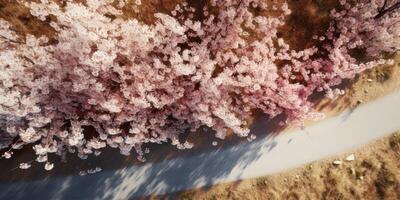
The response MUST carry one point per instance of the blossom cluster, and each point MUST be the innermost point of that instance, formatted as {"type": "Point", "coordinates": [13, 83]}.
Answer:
{"type": "Point", "coordinates": [117, 82]}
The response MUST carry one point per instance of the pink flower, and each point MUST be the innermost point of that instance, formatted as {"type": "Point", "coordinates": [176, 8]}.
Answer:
{"type": "Point", "coordinates": [122, 83]}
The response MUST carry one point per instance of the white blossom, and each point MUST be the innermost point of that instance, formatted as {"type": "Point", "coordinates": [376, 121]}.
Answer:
{"type": "Point", "coordinates": [7, 155]}
{"type": "Point", "coordinates": [113, 80]}
{"type": "Point", "coordinates": [48, 166]}
{"type": "Point", "coordinates": [24, 165]}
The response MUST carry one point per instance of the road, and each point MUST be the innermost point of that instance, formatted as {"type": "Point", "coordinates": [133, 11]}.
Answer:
{"type": "Point", "coordinates": [266, 155]}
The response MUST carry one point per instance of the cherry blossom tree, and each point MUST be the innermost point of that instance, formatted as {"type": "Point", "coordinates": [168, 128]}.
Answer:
{"type": "Point", "coordinates": [135, 83]}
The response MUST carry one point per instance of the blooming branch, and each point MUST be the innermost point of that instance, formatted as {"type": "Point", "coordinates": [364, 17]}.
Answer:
{"type": "Point", "coordinates": [384, 9]}
{"type": "Point", "coordinates": [111, 81]}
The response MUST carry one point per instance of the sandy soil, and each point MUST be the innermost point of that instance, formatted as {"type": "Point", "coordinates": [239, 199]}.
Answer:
{"type": "Point", "coordinates": [368, 86]}
{"type": "Point", "coordinates": [373, 174]}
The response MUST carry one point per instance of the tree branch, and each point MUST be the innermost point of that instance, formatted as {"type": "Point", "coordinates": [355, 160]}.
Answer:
{"type": "Point", "coordinates": [385, 10]}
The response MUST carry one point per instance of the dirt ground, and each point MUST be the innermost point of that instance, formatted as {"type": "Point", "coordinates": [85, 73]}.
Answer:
{"type": "Point", "coordinates": [373, 174]}
{"type": "Point", "coordinates": [368, 86]}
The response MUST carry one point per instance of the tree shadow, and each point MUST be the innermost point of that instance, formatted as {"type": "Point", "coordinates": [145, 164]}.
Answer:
{"type": "Point", "coordinates": [165, 170]}
{"type": "Point", "coordinates": [340, 103]}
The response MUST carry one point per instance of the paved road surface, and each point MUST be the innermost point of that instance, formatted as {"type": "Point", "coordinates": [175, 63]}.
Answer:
{"type": "Point", "coordinates": [263, 156]}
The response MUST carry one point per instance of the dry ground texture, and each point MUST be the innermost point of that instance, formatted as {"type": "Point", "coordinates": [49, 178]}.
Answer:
{"type": "Point", "coordinates": [373, 174]}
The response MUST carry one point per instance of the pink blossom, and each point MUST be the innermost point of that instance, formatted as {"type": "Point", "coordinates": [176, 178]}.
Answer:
{"type": "Point", "coordinates": [133, 83]}
{"type": "Point", "coordinates": [7, 155]}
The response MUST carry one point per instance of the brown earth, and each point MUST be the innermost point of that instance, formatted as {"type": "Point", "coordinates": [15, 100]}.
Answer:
{"type": "Point", "coordinates": [374, 174]}
{"type": "Point", "coordinates": [368, 86]}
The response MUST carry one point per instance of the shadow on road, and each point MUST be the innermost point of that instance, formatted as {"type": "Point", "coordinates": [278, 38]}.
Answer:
{"type": "Point", "coordinates": [166, 168]}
